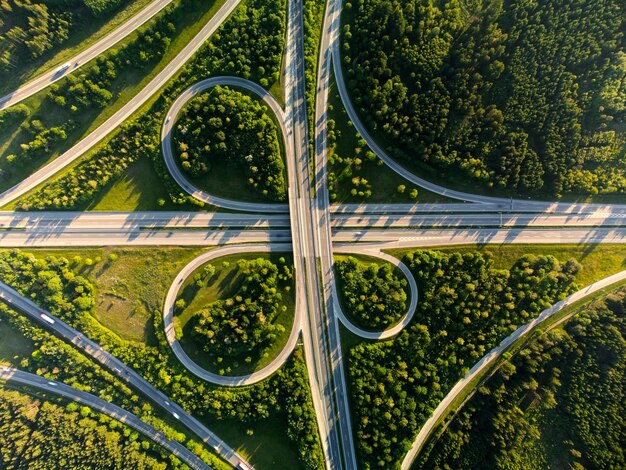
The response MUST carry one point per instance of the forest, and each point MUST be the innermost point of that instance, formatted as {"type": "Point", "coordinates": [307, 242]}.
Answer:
{"type": "Point", "coordinates": [227, 125]}
{"type": "Point", "coordinates": [248, 44]}
{"type": "Point", "coordinates": [518, 97]}
{"type": "Point", "coordinates": [69, 106]}
{"type": "Point", "coordinates": [46, 281]}
{"type": "Point", "coordinates": [30, 28]}
{"type": "Point", "coordinates": [38, 434]}
{"type": "Point", "coordinates": [466, 307]}
{"type": "Point", "coordinates": [244, 323]}
{"type": "Point", "coordinates": [374, 296]}
{"type": "Point", "coordinates": [558, 403]}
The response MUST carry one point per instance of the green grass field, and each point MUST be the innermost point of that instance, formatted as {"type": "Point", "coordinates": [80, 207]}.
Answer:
{"type": "Point", "coordinates": [131, 288]}
{"type": "Point", "coordinates": [266, 448]}
{"type": "Point", "coordinates": [128, 290]}
{"type": "Point", "coordinates": [227, 179]}
{"type": "Point", "coordinates": [223, 284]}
{"type": "Point", "coordinates": [13, 345]}
{"type": "Point", "coordinates": [138, 189]}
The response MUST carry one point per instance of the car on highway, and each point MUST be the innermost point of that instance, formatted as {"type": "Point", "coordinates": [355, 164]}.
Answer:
{"type": "Point", "coordinates": [46, 318]}
{"type": "Point", "coordinates": [63, 67]}
{"type": "Point", "coordinates": [175, 415]}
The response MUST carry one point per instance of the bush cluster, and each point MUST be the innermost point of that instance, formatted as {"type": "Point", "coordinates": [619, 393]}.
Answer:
{"type": "Point", "coordinates": [29, 29]}
{"type": "Point", "coordinates": [245, 321]}
{"type": "Point", "coordinates": [68, 436]}
{"type": "Point", "coordinates": [573, 379]}
{"type": "Point", "coordinates": [375, 296]}
{"type": "Point", "coordinates": [465, 308]}
{"type": "Point", "coordinates": [225, 124]}
{"type": "Point", "coordinates": [54, 284]}
{"type": "Point", "coordinates": [249, 44]}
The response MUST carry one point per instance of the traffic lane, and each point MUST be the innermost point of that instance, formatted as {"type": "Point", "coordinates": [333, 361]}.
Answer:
{"type": "Point", "coordinates": [128, 220]}
{"type": "Point", "coordinates": [166, 144]}
{"type": "Point", "coordinates": [170, 333]}
{"type": "Point", "coordinates": [398, 238]}
{"type": "Point", "coordinates": [15, 376]}
{"type": "Point", "coordinates": [123, 113]}
{"type": "Point", "coordinates": [148, 237]}
{"type": "Point", "coordinates": [497, 352]}
{"type": "Point", "coordinates": [479, 220]}
{"type": "Point", "coordinates": [80, 59]}
{"type": "Point", "coordinates": [127, 374]}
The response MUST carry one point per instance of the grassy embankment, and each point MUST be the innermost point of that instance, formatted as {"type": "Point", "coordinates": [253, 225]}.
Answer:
{"type": "Point", "coordinates": [128, 83]}
{"type": "Point", "coordinates": [85, 34]}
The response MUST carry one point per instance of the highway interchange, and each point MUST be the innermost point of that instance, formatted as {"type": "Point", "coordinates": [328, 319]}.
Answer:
{"type": "Point", "coordinates": [308, 225]}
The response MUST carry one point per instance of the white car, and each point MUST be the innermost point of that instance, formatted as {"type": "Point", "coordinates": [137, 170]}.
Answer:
{"type": "Point", "coordinates": [175, 415]}
{"type": "Point", "coordinates": [63, 67]}
{"type": "Point", "coordinates": [168, 119]}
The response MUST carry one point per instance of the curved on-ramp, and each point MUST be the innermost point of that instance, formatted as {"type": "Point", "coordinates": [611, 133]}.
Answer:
{"type": "Point", "coordinates": [170, 333]}
{"type": "Point", "coordinates": [514, 204]}
{"type": "Point", "coordinates": [494, 354]}
{"type": "Point", "coordinates": [404, 321]}
{"type": "Point", "coordinates": [122, 371]}
{"type": "Point", "coordinates": [166, 141]}
{"type": "Point", "coordinates": [16, 376]}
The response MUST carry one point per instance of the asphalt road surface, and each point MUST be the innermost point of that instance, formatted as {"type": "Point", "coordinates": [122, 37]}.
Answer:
{"type": "Point", "coordinates": [510, 206]}
{"type": "Point", "coordinates": [320, 329]}
{"type": "Point", "coordinates": [168, 155]}
{"type": "Point", "coordinates": [137, 237]}
{"type": "Point", "coordinates": [49, 220]}
{"type": "Point", "coordinates": [450, 220]}
{"type": "Point", "coordinates": [170, 333]}
{"type": "Point", "coordinates": [517, 204]}
{"type": "Point", "coordinates": [383, 238]}
{"type": "Point", "coordinates": [85, 56]}
{"type": "Point", "coordinates": [309, 228]}
{"type": "Point", "coordinates": [408, 238]}
{"type": "Point", "coordinates": [413, 296]}
{"type": "Point", "coordinates": [14, 376]}
{"type": "Point", "coordinates": [46, 222]}
{"type": "Point", "coordinates": [25, 306]}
